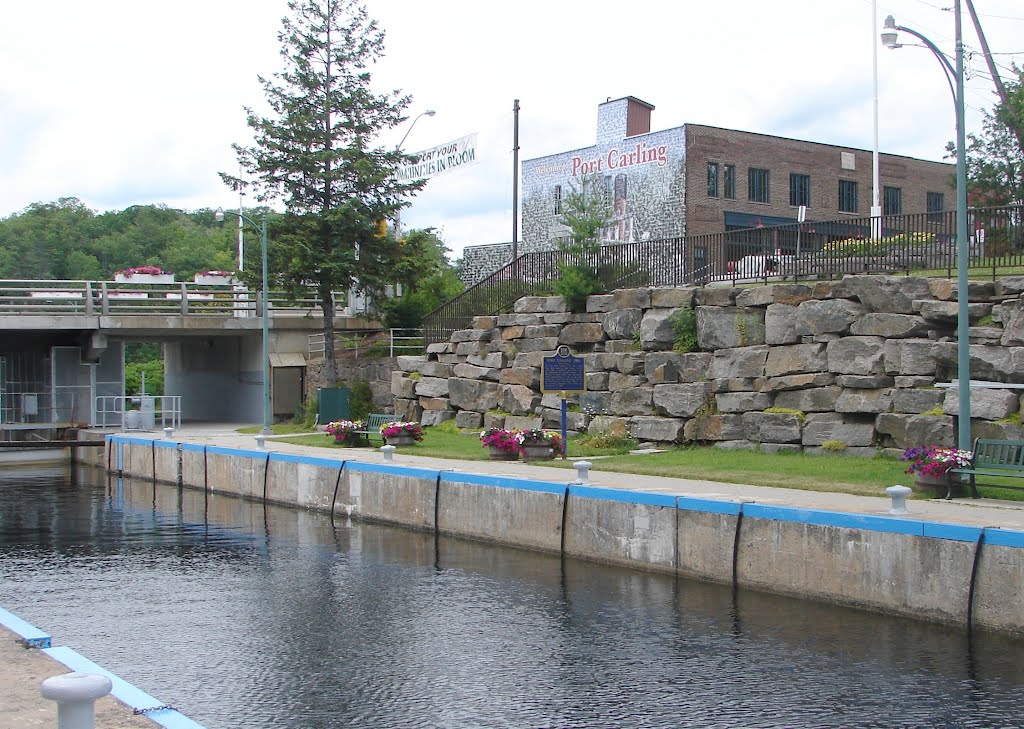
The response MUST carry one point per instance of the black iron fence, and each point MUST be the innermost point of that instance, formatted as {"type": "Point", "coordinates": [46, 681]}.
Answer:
{"type": "Point", "coordinates": [921, 243]}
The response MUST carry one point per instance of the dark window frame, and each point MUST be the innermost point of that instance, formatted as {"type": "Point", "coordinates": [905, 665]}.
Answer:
{"type": "Point", "coordinates": [935, 204]}
{"type": "Point", "coordinates": [799, 189]}
{"type": "Point", "coordinates": [713, 179]}
{"type": "Point", "coordinates": [729, 181]}
{"type": "Point", "coordinates": [758, 185]}
{"type": "Point", "coordinates": [848, 196]}
{"type": "Point", "coordinates": [892, 200]}
{"type": "Point", "coordinates": [558, 199]}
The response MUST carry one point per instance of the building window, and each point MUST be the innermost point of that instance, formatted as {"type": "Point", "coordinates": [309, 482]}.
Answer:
{"type": "Point", "coordinates": [757, 185]}
{"type": "Point", "coordinates": [892, 200]}
{"type": "Point", "coordinates": [558, 199]}
{"type": "Point", "coordinates": [712, 179]}
{"type": "Point", "coordinates": [847, 196]}
{"type": "Point", "coordinates": [936, 204]}
{"type": "Point", "coordinates": [799, 190]}
{"type": "Point", "coordinates": [730, 181]}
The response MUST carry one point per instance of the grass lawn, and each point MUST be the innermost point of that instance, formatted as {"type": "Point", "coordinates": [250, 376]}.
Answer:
{"type": "Point", "coordinates": [835, 473]}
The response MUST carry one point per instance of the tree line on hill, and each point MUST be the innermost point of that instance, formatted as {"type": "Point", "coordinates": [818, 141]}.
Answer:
{"type": "Point", "coordinates": [65, 239]}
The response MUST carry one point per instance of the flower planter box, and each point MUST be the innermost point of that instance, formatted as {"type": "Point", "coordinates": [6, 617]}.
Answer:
{"type": "Point", "coordinates": [144, 278]}
{"type": "Point", "coordinates": [399, 440]}
{"type": "Point", "coordinates": [500, 454]}
{"type": "Point", "coordinates": [538, 452]}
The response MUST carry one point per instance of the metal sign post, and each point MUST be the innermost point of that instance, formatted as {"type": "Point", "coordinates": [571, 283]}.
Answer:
{"type": "Point", "coordinates": [562, 373]}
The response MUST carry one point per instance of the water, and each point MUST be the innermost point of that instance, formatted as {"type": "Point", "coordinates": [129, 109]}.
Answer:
{"type": "Point", "coordinates": [241, 616]}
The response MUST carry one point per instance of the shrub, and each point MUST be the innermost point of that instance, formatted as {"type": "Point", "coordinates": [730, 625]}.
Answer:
{"type": "Point", "coordinates": [788, 411]}
{"type": "Point", "coordinates": [360, 399]}
{"type": "Point", "coordinates": [833, 446]}
{"type": "Point", "coordinates": [684, 329]}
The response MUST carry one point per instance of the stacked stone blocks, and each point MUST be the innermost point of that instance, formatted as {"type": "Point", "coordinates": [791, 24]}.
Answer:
{"type": "Point", "coordinates": [850, 365]}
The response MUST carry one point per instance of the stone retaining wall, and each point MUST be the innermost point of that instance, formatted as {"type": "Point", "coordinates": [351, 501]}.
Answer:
{"type": "Point", "coordinates": [850, 365]}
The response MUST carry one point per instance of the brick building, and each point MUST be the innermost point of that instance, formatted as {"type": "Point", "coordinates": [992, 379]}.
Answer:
{"type": "Point", "coordinates": [696, 179]}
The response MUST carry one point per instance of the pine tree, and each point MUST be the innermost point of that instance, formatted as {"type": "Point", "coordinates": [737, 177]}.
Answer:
{"type": "Point", "coordinates": [317, 151]}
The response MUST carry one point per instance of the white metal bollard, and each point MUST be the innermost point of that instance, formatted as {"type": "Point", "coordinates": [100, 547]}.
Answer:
{"type": "Point", "coordinates": [261, 441]}
{"type": "Point", "coordinates": [389, 453]}
{"type": "Point", "coordinates": [168, 432]}
{"type": "Point", "coordinates": [582, 471]}
{"type": "Point", "coordinates": [899, 495]}
{"type": "Point", "coordinates": [75, 694]}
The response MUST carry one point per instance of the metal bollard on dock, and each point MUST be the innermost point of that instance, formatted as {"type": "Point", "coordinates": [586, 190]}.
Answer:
{"type": "Point", "coordinates": [899, 495]}
{"type": "Point", "coordinates": [389, 453]}
{"type": "Point", "coordinates": [582, 471]}
{"type": "Point", "coordinates": [76, 694]}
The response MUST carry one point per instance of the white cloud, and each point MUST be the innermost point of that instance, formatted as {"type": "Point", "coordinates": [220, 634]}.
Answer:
{"type": "Point", "coordinates": [123, 103]}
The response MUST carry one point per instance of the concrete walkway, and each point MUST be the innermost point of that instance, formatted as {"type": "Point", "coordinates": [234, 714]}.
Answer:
{"type": "Point", "coordinates": [22, 672]}
{"type": "Point", "coordinates": [969, 512]}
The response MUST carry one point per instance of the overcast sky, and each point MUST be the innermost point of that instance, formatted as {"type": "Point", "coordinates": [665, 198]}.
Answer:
{"type": "Point", "coordinates": [120, 102]}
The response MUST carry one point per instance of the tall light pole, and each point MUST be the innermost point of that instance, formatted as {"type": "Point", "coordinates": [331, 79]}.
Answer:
{"type": "Point", "coordinates": [262, 228]}
{"type": "Point", "coordinates": [398, 148]}
{"type": "Point", "coordinates": [955, 77]}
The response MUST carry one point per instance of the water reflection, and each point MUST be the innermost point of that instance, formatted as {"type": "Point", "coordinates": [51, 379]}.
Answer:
{"type": "Point", "coordinates": [244, 615]}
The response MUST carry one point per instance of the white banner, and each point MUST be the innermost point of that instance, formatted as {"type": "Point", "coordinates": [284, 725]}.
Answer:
{"type": "Point", "coordinates": [441, 159]}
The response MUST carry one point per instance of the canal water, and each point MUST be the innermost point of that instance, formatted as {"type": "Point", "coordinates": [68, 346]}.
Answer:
{"type": "Point", "coordinates": [240, 615]}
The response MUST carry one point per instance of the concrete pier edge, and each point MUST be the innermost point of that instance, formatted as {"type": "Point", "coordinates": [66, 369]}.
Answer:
{"type": "Point", "coordinates": [913, 565]}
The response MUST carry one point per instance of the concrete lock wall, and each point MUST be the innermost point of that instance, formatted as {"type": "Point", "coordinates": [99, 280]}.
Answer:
{"type": "Point", "coordinates": [887, 564]}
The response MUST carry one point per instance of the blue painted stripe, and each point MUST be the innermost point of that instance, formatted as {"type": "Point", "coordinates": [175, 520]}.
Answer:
{"type": "Point", "coordinates": [953, 532]}
{"type": "Point", "coordinates": [133, 440]}
{"type": "Point", "coordinates": [194, 447]}
{"type": "Point", "coordinates": [710, 506]}
{"type": "Point", "coordinates": [503, 482]}
{"type": "Point", "coordinates": [28, 632]}
{"type": "Point", "coordinates": [891, 525]}
{"type": "Point", "coordinates": [239, 452]}
{"type": "Point", "coordinates": [123, 691]}
{"type": "Point", "coordinates": [1004, 537]}
{"type": "Point", "coordinates": [165, 444]}
{"type": "Point", "coordinates": [622, 495]}
{"type": "Point", "coordinates": [392, 470]}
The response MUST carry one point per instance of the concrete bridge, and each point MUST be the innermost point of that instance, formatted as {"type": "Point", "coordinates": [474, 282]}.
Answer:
{"type": "Point", "coordinates": [62, 346]}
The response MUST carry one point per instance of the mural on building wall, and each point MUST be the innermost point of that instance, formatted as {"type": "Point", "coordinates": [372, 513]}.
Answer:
{"type": "Point", "coordinates": [643, 178]}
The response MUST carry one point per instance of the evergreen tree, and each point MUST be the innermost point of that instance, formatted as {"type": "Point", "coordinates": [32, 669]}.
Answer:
{"type": "Point", "coordinates": [316, 152]}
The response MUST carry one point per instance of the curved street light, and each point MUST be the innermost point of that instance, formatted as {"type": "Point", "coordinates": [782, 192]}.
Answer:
{"type": "Point", "coordinates": [262, 228]}
{"type": "Point", "coordinates": [890, 38]}
{"type": "Point", "coordinates": [428, 112]}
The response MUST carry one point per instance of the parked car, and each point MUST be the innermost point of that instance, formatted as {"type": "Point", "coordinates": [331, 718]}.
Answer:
{"type": "Point", "coordinates": [761, 266]}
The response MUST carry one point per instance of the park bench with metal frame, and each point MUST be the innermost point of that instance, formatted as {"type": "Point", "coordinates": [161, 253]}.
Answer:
{"type": "Point", "coordinates": [374, 421]}
{"type": "Point", "coordinates": [995, 458]}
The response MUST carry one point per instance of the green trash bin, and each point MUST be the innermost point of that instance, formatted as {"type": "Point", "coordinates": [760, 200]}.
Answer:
{"type": "Point", "coordinates": [332, 404]}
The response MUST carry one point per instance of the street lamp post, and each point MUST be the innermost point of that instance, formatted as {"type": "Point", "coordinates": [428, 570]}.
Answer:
{"type": "Point", "coordinates": [955, 77]}
{"type": "Point", "coordinates": [398, 148]}
{"type": "Point", "coordinates": [262, 228]}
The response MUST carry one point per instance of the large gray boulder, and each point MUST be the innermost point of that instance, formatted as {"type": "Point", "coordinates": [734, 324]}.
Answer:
{"type": "Point", "coordinates": [986, 403]}
{"type": "Point", "coordinates": [622, 323]}
{"type": "Point", "coordinates": [683, 400]}
{"type": "Point", "coordinates": [796, 359]}
{"type": "Point", "coordinates": [830, 316]}
{"type": "Point", "coordinates": [856, 356]}
{"type": "Point", "coordinates": [738, 362]}
{"type": "Point", "coordinates": [721, 327]}
{"type": "Point", "coordinates": [771, 427]}
{"type": "Point", "coordinates": [665, 430]}
{"type": "Point", "coordinates": [477, 395]}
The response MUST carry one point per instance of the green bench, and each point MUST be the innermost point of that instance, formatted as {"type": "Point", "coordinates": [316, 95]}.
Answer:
{"type": "Point", "coordinates": [374, 421]}
{"type": "Point", "coordinates": [995, 458]}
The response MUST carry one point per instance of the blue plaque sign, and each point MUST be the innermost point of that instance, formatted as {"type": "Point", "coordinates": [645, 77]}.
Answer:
{"type": "Point", "coordinates": [562, 373]}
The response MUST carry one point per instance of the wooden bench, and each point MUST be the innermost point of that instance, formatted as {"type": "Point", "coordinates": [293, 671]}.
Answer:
{"type": "Point", "coordinates": [374, 421]}
{"type": "Point", "coordinates": [996, 458]}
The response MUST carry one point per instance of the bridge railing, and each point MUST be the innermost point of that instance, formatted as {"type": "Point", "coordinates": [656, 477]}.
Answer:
{"type": "Point", "coordinates": [138, 412]}
{"type": "Point", "coordinates": [95, 298]}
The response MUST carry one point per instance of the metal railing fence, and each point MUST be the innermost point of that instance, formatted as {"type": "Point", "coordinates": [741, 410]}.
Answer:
{"type": "Point", "coordinates": [921, 242]}
{"type": "Point", "coordinates": [381, 343]}
{"type": "Point", "coordinates": [95, 298]}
